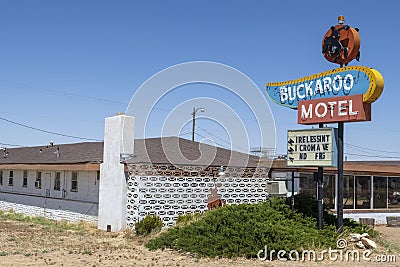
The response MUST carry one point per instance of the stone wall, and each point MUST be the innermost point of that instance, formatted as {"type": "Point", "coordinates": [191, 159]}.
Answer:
{"type": "Point", "coordinates": [47, 213]}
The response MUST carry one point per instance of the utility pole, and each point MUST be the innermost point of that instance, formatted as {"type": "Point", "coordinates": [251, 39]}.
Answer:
{"type": "Point", "coordinates": [194, 119]}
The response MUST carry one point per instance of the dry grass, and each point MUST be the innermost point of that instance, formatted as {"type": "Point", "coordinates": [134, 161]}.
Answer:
{"type": "Point", "coordinates": [40, 242]}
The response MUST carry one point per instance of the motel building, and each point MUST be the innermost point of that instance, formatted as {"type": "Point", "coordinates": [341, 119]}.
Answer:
{"type": "Point", "coordinates": [371, 188]}
{"type": "Point", "coordinates": [116, 183]}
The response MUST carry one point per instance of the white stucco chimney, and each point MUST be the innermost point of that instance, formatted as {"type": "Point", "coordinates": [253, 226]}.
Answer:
{"type": "Point", "coordinates": [118, 142]}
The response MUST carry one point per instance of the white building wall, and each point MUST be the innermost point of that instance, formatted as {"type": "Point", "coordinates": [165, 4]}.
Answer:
{"type": "Point", "coordinates": [85, 200]}
{"type": "Point", "coordinates": [380, 217]}
{"type": "Point", "coordinates": [88, 186]}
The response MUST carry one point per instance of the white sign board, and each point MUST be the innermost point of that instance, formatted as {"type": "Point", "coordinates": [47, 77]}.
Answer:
{"type": "Point", "coordinates": [314, 147]}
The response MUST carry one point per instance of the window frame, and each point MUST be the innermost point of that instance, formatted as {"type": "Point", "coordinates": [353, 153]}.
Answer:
{"type": "Point", "coordinates": [57, 181]}
{"type": "Point", "coordinates": [74, 181]}
{"type": "Point", "coordinates": [11, 178]}
{"type": "Point", "coordinates": [38, 180]}
{"type": "Point", "coordinates": [25, 178]}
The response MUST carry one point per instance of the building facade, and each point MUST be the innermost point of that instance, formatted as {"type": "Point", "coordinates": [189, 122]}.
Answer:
{"type": "Point", "coordinates": [116, 183]}
{"type": "Point", "coordinates": [371, 188]}
{"type": "Point", "coordinates": [52, 179]}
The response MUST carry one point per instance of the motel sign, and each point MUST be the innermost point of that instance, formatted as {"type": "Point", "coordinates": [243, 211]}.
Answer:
{"type": "Point", "coordinates": [347, 108]}
{"type": "Point", "coordinates": [315, 147]}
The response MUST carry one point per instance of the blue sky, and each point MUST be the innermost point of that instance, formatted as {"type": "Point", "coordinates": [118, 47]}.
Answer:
{"type": "Point", "coordinates": [66, 65]}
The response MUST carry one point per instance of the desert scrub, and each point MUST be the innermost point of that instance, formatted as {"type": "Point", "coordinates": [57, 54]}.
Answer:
{"type": "Point", "coordinates": [242, 230]}
{"type": "Point", "coordinates": [45, 223]}
{"type": "Point", "coordinates": [187, 218]}
{"type": "Point", "coordinates": [148, 225]}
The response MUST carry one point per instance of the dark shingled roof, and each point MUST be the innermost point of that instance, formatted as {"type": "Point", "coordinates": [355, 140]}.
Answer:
{"type": "Point", "coordinates": [68, 153]}
{"type": "Point", "coordinates": [151, 150]}
{"type": "Point", "coordinates": [181, 151]}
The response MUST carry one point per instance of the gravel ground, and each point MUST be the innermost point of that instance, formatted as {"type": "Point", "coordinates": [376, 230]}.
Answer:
{"type": "Point", "coordinates": [24, 244]}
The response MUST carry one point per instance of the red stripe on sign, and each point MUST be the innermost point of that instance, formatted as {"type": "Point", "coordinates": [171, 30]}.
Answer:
{"type": "Point", "coordinates": [335, 109]}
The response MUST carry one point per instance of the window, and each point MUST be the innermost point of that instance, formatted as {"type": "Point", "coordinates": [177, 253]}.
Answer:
{"type": "Point", "coordinates": [348, 191]}
{"type": "Point", "coordinates": [380, 192]}
{"type": "Point", "coordinates": [329, 191]}
{"type": "Point", "coordinates": [11, 179]}
{"type": "Point", "coordinates": [57, 181]}
{"type": "Point", "coordinates": [25, 179]}
{"type": "Point", "coordinates": [394, 192]}
{"type": "Point", "coordinates": [74, 182]}
{"type": "Point", "coordinates": [362, 190]}
{"type": "Point", "coordinates": [38, 182]}
{"type": "Point", "coordinates": [1, 177]}
{"type": "Point", "coordinates": [97, 177]}
{"type": "Point", "coordinates": [308, 184]}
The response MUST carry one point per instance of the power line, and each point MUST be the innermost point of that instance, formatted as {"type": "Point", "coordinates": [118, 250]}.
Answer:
{"type": "Point", "coordinates": [365, 148]}
{"type": "Point", "coordinates": [28, 86]}
{"type": "Point", "coordinates": [184, 134]}
{"type": "Point", "coordinates": [230, 143]}
{"type": "Point", "coordinates": [5, 144]}
{"type": "Point", "coordinates": [87, 97]}
{"type": "Point", "coordinates": [213, 135]}
{"type": "Point", "coordinates": [373, 156]}
{"type": "Point", "coordinates": [213, 141]}
{"type": "Point", "coordinates": [49, 132]}
{"type": "Point", "coordinates": [363, 151]}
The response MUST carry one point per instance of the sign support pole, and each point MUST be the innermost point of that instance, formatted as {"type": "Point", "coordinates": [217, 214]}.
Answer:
{"type": "Point", "coordinates": [340, 179]}
{"type": "Point", "coordinates": [320, 193]}
{"type": "Point", "coordinates": [292, 197]}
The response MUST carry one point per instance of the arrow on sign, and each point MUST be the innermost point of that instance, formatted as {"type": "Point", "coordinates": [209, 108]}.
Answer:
{"type": "Point", "coordinates": [290, 141]}
{"type": "Point", "coordinates": [290, 150]}
{"type": "Point", "coordinates": [291, 159]}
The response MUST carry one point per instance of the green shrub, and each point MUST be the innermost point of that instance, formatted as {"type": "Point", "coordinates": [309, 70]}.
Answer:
{"type": "Point", "coordinates": [187, 218]}
{"type": "Point", "coordinates": [242, 230]}
{"type": "Point", "coordinates": [148, 224]}
{"type": "Point", "coordinates": [308, 206]}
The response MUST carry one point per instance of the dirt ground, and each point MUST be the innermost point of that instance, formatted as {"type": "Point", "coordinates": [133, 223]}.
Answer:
{"type": "Point", "coordinates": [24, 244]}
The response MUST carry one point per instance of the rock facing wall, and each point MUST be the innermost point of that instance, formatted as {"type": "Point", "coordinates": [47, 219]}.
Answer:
{"type": "Point", "coordinates": [47, 213]}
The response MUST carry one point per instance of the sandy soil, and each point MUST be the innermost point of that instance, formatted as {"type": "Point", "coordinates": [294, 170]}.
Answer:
{"type": "Point", "coordinates": [24, 244]}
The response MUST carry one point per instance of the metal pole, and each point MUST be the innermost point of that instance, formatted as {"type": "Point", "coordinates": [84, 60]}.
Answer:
{"type": "Point", "coordinates": [193, 122]}
{"type": "Point", "coordinates": [320, 193]}
{"type": "Point", "coordinates": [340, 178]}
{"type": "Point", "coordinates": [292, 190]}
